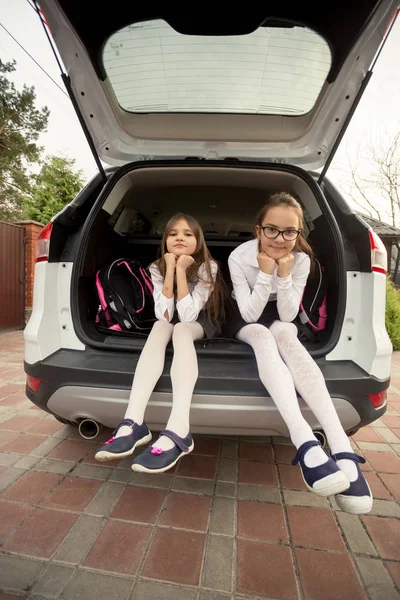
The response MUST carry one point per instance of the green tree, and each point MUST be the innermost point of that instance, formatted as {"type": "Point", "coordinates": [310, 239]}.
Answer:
{"type": "Point", "coordinates": [54, 187]}
{"type": "Point", "coordinates": [20, 126]}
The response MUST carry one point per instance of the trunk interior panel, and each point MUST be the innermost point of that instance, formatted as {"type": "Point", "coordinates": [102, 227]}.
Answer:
{"type": "Point", "coordinates": [128, 221]}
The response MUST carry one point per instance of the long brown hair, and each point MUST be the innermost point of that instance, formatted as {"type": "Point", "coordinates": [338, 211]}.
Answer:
{"type": "Point", "coordinates": [215, 304]}
{"type": "Point", "coordinates": [286, 199]}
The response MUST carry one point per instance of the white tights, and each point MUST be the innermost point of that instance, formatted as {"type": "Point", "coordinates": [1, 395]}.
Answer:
{"type": "Point", "coordinates": [184, 373]}
{"type": "Point", "coordinates": [283, 365]}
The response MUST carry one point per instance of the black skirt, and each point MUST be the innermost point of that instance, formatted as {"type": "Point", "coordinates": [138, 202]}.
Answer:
{"type": "Point", "coordinates": [235, 322]}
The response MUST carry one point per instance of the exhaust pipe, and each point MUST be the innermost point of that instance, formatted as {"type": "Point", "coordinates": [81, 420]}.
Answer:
{"type": "Point", "coordinates": [320, 435]}
{"type": "Point", "coordinates": [89, 429]}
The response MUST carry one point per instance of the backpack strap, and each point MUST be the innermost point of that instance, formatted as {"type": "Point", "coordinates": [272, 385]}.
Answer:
{"type": "Point", "coordinates": [307, 331]}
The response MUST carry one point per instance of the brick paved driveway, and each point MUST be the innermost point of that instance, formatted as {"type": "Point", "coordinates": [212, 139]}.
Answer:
{"type": "Point", "coordinates": [233, 521]}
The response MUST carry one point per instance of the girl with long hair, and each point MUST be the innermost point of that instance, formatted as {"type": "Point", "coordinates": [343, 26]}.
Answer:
{"type": "Point", "coordinates": [188, 302]}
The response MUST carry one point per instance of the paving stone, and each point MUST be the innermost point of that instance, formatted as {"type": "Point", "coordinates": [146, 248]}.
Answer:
{"type": "Point", "coordinates": [31, 487]}
{"type": "Point", "coordinates": [209, 446]}
{"type": "Point", "coordinates": [314, 528]}
{"type": "Point", "coordinates": [73, 493]}
{"type": "Point", "coordinates": [12, 514]}
{"type": "Point", "coordinates": [198, 466]}
{"type": "Point", "coordinates": [226, 489]}
{"type": "Point", "coordinates": [105, 499]}
{"type": "Point", "coordinates": [383, 462]}
{"type": "Point", "coordinates": [377, 581]}
{"type": "Point", "coordinates": [26, 462]}
{"type": "Point", "coordinates": [227, 470]}
{"type": "Point", "coordinates": [257, 473]}
{"type": "Point", "coordinates": [139, 504]}
{"type": "Point", "coordinates": [297, 498]}
{"type": "Point", "coordinates": [385, 533]}
{"type": "Point", "coordinates": [18, 574]}
{"type": "Point", "coordinates": [91, 471]}
{"type": "Point", "coordinates": [158, 480]}
{"type": "Point", "coordinates": [119, 548]}
{"type": "Point", "coordinates": [256, 451]}
{"type": "Point", "coordinates": [212, 595]}
{"type": "Point", "coordinates": [62, 467]}
{"type": "Point", "coordinates": [385, 508]}
{"type": "Point", "coordinates": [186, 511]}
{"type": "Point", "coordinates": [41, 533]}
{"type": "Point", "coordinates": [217, 572]}
{"type": "Point", "coordinates": [328, 576]}
{"type": "Point", "coordinates": [64, 432]}
{"type": "Point", "coordinates": [229, 448]}
{"type": "Point", "coordinates": [8, 477]}
{"type": "Point", "coordinates": [95, 586]}
{"type": "Point", "coordinates": [265, 569]}
{"type": "Point", "coordinates": [378, 490]}
{"type": "Point", "coordinates": [196, 486]}
{"type": "Point", "coordinates": [265, 522]}
{"type": "Point", "coordinates": [147, 590]}
{"type": "Point", "coordinates": [79, 539]}
{"type": "Point", "coordinates": [355, 534]}
{"type": "Point", "coordinates": [72, 450]}
{"type": "Point", "coordinates": [223, 516]}
{"type": "Point", "coordinates": [45, 447]}
{"type": "Point", "coordinates": [389, 436]}
{"type": "Point", "coordinates": [392, 481]}
{"type": "Point", "coordinates": [367, 434]}
{"type": "Point", "coordinates": [262, 493]}
{"type": "Point", "coordinates": [394, 570]}
{"type": "Point", "coordinates": [53, 581]}
{"type": "Point", "coordinates": [8, 460]}
{"type": "Point", "coordinates": [176, 556]}
{"type": "Point", "coordinates": [376, 447]}
{"type": "Point", "coordinates": [120, 476]}
{"type": "Point", "coordinates": [396, 447]}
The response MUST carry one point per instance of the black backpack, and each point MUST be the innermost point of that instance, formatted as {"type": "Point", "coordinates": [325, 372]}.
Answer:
{"type": "Point", "coordinates": [125, 293]}
{"type": "Point", "coordinates": [313, 313]}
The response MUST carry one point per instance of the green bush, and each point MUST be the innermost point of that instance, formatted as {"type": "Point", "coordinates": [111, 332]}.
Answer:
{"type": "Point", "coordinates": [392, 317]}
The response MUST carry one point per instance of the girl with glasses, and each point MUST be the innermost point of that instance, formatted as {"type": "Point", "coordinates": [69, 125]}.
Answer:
{"type": "Point", "coordinates": [269, 274]}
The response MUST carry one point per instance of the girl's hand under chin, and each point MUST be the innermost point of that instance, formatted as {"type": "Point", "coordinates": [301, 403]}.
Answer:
{"type": "Point", "coordinates": [184, 262]}
{"type": "Point", "coordinates": [170, 260]}
{"type": "Point", "coordinates": [285, 265]}
{"type": "Point", "coordinates": [266, 263]}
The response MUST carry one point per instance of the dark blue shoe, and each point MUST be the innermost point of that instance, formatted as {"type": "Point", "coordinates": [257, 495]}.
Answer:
{"type": "Point", "coordinates": [326, 479]}
{"type": "Point", "coordinates": [357, 500]}
{"type": "Point", "coordinates": [155, 460]}
{"type": "Point", "coordinates": [126, 444]}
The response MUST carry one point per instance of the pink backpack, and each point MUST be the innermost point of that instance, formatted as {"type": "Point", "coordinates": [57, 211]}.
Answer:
{"type": "Point", "coordinates": [125, 293]}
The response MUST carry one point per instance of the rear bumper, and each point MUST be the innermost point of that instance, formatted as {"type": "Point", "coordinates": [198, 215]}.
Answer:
{"type": "Point", "coordinates": [228, 397]}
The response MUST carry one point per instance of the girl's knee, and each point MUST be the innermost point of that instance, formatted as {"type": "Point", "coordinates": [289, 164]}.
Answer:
{"type": "Point", "coordinates": [180, 328]}
{"type": "Point", "coordinates": [162, 326]}
{"type": "Point", "coordinates": [187, 331]}
{"type": "Point", "coordinates": [161, 330]}
{"type": "Point", "coordinates": [254, 332]}
{"type": "Point", "coordinates": [281, 330]}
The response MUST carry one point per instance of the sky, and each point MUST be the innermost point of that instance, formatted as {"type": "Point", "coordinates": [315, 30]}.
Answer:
{"type": "Point", "coordinates": [376, 118]}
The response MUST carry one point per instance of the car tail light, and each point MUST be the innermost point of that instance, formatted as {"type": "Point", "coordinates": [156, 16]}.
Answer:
{"type": "Point", "coordinates": [43, 243]}
{"type": "Point", "coordinates": [33, 383]}
{"type": "Point", "coordinates": [379, 399]}
{"type": "Point", "coordinates": [378, 253]}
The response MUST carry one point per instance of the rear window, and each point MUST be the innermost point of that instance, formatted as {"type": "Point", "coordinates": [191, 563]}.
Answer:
{"type": "Point", "coordinates": [274, 70]}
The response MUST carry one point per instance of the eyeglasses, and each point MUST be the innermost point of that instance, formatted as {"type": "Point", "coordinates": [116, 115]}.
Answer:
{"type": "Point", "coordinates": [288, 234]}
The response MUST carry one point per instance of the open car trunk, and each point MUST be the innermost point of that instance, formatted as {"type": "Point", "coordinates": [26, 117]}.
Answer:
{"type": "Point", "coordinates": [129, 216]}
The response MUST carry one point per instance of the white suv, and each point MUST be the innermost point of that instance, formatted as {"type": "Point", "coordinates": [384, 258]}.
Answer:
{"type": "Point", "coordinates": [208, 115]}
